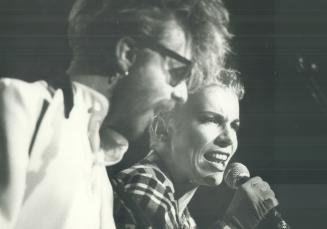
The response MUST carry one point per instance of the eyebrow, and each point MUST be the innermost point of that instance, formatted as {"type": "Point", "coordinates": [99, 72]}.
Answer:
{"type": "Point", "coordinates": [218, 115]}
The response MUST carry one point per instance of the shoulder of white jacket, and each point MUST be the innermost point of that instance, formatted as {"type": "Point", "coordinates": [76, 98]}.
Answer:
{"type": "Point", "coordinates": [16, 88]}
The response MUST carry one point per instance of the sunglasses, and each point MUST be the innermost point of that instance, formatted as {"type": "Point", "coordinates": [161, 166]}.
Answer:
{"type": "Point", "coordinates": [180, 71]}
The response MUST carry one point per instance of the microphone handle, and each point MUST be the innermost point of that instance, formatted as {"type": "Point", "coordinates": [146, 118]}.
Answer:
{"type": "Point", "coordinates": [275, 219]}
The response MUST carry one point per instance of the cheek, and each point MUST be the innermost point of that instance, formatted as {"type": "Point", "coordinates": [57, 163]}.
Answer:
{"type": "Point", "coordinates": [206, 133]}
{"type": "Point", "coordinates": [150, 74]}
{"type": "Point", "coordinates": [147, 91]}
{"type": "Point", "coordinates": [235, 143]}
{"type": "Point", "coordinates": [197, 139]}
{"type": "Point", "coordinates": [183, 141]}
{"type": "Point", "coordinates": [153, 86]}
{"type": "Point", "coordinates": [192, 132]}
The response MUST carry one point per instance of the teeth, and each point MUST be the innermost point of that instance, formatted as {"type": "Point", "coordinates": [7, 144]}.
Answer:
{"type": "Point", "coordinates": [220, 164]}
{"type": "Point", "coordinates": [220, 156]}
{"type": "Point", "coordinates": [217, 157]}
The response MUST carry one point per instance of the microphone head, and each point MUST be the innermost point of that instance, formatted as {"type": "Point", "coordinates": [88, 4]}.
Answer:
{"type": "Point", "coordinates": [234, 173]}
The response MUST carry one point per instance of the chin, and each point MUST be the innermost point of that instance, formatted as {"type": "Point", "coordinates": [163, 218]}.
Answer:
{"type": "Point", "coordinates": [213, 180]}
{"type": "Point", "coordinates": [136, 128]}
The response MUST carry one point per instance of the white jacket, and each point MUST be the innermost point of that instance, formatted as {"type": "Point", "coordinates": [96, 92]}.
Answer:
{"type": "Point", "coordinates": [51, 173]}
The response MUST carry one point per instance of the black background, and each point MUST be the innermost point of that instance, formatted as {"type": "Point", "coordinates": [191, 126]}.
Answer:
{"type": "Point", "coordinates": [283, 118]}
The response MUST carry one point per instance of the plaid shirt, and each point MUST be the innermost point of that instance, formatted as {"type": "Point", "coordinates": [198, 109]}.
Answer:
{"type": "Point", "coordinates": [145, 198]}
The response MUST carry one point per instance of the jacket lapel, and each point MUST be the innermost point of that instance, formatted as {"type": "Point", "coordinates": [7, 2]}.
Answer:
{"type": "Point", "coordinates": [47, 132]}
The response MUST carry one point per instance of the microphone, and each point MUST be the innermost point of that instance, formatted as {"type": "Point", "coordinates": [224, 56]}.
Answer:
{"type": "Point", "coordinates": [237, 174]}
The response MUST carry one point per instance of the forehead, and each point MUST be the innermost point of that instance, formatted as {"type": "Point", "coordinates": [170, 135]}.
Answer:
{"type": "Point", "coordinates": [215, 99]}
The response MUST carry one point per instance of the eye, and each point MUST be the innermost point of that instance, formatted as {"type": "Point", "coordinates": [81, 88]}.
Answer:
{"type": "Point", "coordinates": [178, 71]}
{"type": "Point", "coordinates": [210, 119]}
{"type": "Point", "coordinates": [236, 126]}
{"type": "Point", "coordinates": [178, 74]}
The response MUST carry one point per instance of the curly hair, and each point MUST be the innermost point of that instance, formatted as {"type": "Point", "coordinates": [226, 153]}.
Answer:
{"type": "Point", "coordinates": [96, 26]}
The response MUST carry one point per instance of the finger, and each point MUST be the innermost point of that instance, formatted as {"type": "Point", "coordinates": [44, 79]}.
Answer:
{"type": "Point", "coordinates": [252, 182]}
{"type": "Point", "coordinates": [265, 191]}
{"type": "Point", "coordinates": [255, 180]}
{"type": "Point", "coordinates": [270, 203]}
{"type": "Point", "coordinates": [260, 186]}
{"type": "Point", "coordinates": [263, 186]}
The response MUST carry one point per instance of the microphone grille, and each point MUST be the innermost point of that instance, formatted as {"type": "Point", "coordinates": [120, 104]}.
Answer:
{"type": "Point", "coordinates": [234, 172]}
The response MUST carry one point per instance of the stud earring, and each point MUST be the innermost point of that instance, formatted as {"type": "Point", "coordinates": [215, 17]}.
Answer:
{"type": "Point", "coordinates": [114, 79]}
{"type": "Point", "coordinates": [191, 181]}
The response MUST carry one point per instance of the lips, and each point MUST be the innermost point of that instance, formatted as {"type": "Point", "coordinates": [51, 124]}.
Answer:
{"type": "Point", "coordinates": [218, 158]}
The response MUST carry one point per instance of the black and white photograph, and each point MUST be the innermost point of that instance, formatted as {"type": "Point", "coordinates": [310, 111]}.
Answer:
{"type": "Point", "coordinates": [163, 114]}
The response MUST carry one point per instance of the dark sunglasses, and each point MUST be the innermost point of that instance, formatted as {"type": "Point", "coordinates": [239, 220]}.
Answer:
{"type": "Point", "coordinates": [178, 73]}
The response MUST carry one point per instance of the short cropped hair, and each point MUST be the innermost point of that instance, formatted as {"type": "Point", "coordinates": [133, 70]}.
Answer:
{"type": "Point", "coordinates": [159, 127]}
{"type": "Point", "coordinates": [95, 26]}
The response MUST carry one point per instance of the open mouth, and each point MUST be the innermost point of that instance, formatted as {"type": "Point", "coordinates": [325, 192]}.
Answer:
{"type": "Point", "coordinates": [219, 159]}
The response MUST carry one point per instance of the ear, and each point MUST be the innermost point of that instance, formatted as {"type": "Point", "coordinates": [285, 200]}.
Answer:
{"type": "Point", "coordinates": [125, 53]}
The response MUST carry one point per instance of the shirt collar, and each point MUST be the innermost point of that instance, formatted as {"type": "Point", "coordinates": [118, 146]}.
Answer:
{"type": "Point", "coordinates": [113, 146]}
{"type": "Point", "coordinates": [96, 100]}
{"type": "Point", "coordinates": [110, 147]}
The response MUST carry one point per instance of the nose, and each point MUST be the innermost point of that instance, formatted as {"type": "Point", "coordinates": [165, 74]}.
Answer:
{"type": "Point", "coordinates": [180, 92]}
{"type": "Point", "coordinates": [224, 139]}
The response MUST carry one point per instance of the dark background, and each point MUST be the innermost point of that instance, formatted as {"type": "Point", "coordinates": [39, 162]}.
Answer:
{"type": "Point", "coordinates": [283, 115]}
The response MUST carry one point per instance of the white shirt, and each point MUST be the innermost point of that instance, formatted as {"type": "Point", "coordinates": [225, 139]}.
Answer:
{"type": "Point", "coordinates": [55, 166]}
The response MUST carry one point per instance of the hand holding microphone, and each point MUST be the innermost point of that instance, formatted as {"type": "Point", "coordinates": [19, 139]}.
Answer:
{"type": "Point", "coordinates": [252, 201]}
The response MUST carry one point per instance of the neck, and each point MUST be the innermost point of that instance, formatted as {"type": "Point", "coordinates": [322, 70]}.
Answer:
{"type": "Point", "coordinates": [183, 186]}
{"type": "Point", "coordinates": [182, 183]}
{"type": "Point", "coordinates": [127, 122]}
{"type": "Point", "coordinates": [184, 189]}
{"type": "Point", "coordinates": [184, 200]}
{"type": "Point", "coordinates": [96, 82]}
